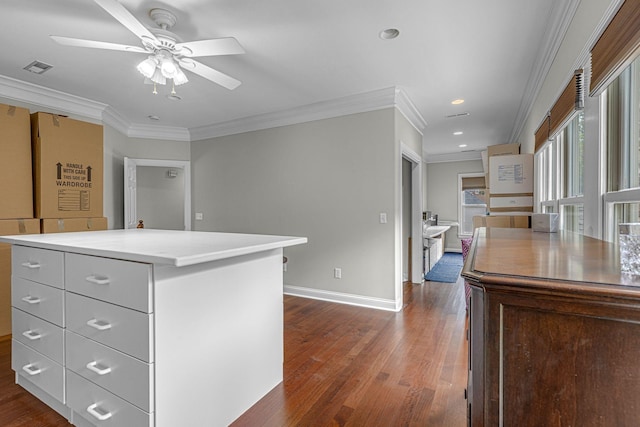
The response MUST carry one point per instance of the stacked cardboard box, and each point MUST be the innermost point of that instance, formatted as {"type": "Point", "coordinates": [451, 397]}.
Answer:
{"type": "Point", "coordinates": [511, 185]}
{"type": "Point", "coordinates": [52, 166]}
{"type": "Point", "coordinates": [68, 173]}
{"type": "Point", "coordinates": [16, 194]}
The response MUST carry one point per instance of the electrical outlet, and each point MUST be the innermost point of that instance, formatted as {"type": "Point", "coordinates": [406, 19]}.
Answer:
{"type": "Point", "coordinates": [337, 273]}
{"type": "Point", "coordinates": [383, 218]}
{"type": "Point", "coordinates": [199, 216]}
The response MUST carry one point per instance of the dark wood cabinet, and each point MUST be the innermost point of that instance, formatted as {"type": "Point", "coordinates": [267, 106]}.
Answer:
{"type": "Point", "coordinates": [554, 331]}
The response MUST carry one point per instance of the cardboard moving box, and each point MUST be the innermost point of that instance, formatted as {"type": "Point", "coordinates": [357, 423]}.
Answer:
{"type": "Point", "coordinates": [16, 191]}
{"type": "Point", "coordinates": [68, 167]}
{"type": "Point", "coordinates": [10, 227]}
{"type": "Point", "coordinates": [64, 225]}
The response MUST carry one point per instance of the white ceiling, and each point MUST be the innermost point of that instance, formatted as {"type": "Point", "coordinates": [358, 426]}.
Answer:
{"type": "Point", "coordinates": [492, 53]}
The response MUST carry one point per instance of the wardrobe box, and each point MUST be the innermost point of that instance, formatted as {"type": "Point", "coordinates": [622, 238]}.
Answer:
{"type": "Point", "coordinates": [65, 225]}
{"type": "Point", "coordinates": [68, 167]}
{"type": "Point", "coordinates": [16, 191]}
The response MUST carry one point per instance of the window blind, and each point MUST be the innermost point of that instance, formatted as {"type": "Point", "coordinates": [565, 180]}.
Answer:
{"type": "Point", "coordinates": [542, 134]}
{"type": "Point", "coordinates": [617, 47]}
{"type": "Point", "coordinates": [567, 104]}
{"type": "Point", "coordinates": [473, 183]}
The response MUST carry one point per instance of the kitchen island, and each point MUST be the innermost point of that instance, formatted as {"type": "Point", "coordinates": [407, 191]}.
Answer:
{"type": "Point", "coordinates": [148, 327]}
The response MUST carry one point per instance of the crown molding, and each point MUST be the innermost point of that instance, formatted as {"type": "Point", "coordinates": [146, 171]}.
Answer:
{"type": "Point", "coordinates": [559, 21]}
{"type": "Point", "coordinates": [159, 132]}
{"type": "Point", "coordinates": [18, 90]}
{"type": "Point", "coordinates": [452, 157]}
{"type": "Point", "coordinates": [409, 111]}
{"type": "Point", "coordinates": [60, 102]}
{"type": "Point", "coordinates": [133, 130]}
{"type": "Point", "coordinates": [360, 103]}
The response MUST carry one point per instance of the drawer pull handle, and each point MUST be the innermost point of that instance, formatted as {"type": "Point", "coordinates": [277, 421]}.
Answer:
{"type": "Point", "coordinates": [100, 325]}
{"type": "Point", "coordinates": [32, 335]}
{"type": "Point", "coordinates": [31, 300]}
{"type": "Point", "coordinates": [31, 369]}
{"type": "Point", "coordinates": [98, 280]}
{"type": "Point", "coordinates": [31, 265]}
{"type": "Point", "coordinates": [98, 369]}
{"type": "Point", "coordinates": [100, 416]}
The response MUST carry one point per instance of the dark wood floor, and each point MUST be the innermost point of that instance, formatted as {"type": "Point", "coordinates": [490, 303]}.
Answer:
{"type": "Point", "coordinates": [344, 366]}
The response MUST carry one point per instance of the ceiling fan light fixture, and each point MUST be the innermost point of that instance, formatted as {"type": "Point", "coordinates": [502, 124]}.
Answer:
{"type": "Point", "coordinates": [180, 77]}
{"type": "Point", "coordinates": [158, 77]}
{"type": "Point", "coordinates": [148, 67]}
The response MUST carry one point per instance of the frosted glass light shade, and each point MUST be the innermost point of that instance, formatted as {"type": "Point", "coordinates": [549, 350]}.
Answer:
{"type": "Point", "coordinates": [147, 67]}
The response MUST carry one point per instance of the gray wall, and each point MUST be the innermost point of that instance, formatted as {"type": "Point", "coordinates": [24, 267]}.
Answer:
{"type": "Point", "coordinates": [160, 198]}
{"type": "Point", "coordinates": [327, 180]}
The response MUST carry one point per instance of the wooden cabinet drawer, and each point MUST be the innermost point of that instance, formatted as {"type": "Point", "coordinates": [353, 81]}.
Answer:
{"type": "Point", "coordinates": [38, 265]}
{"type": "Point", "coordinates": [124, 283]}
{"type": "Point", "coordinates": [127, 330]}
{"type": "Point", "coordinates": [123, 375]}
{"type": "Point", "coordinates": [40, 335]}
{"type": "Point", "coordinates": [43, 301]}
{"type": "Point", "coordinates": [39, 369]}
{"type": "Point", "coordinates": [101, 407]}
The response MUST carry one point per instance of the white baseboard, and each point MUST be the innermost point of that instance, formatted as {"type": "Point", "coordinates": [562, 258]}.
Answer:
{"type": "Point", "coordinates": [458, 250]}
{"type": "Point", "coordinates": [342, 298]}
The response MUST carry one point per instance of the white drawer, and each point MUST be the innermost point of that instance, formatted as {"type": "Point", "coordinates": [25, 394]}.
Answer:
{"type": "Point", "coordinates": [40, 335]}
{"type": "Point", "coordinates": [38, 265]}
{"type": "Point", "coordinates": [123, 375]}
{"type": "Point", "coordinates": [39, 369]}
{"type": "Point", "coordinates": [127, 330]}
{"type": "Point", "coordinates": [40, 300]}
{"type": "Point", "coordinates": [101, 407]}
{"type": "Point", "coordinates": [124, 283]}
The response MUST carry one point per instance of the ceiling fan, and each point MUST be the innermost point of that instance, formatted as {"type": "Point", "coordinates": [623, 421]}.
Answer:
{"type": "Point", "coordinates": [167, 55]}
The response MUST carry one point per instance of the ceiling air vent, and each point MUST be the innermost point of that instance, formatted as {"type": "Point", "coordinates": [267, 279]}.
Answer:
{"type": "Point", "coordinates": [452, 116]}
{"type": "Point", "coordinates": [38, 67]}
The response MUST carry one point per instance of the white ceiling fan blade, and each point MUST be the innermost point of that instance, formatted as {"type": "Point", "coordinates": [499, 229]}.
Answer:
{"type": "Point", "coordinates": [68, 41]}
{"type": "Point", "coordinates": [125, 17]}
{"type": "Point", "coordinates": [222, 46]}
{"type": "Point", "coordinates": [210, 74]}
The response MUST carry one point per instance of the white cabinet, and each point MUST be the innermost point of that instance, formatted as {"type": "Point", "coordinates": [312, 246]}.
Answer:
{"type": "Point", "coordinates": [38, 321]}
{"type": "Point", "coordinates": [181, 328]}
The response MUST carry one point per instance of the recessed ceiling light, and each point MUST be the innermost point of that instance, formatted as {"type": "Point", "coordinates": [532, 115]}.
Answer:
{"type": "Point", "coordinates": [154, 118]}
{"type": "Point", "coordinates": [457, 101]}
{"type": "Point", "coordinates": [389, 33]}
{"type": "Point", "coordinates": [459, 132]}
{"type": "Point", "coordinates": [462, 145]}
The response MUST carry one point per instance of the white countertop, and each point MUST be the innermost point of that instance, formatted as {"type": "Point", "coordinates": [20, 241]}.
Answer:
{"type": "Point", "coordinates": [178, 248]}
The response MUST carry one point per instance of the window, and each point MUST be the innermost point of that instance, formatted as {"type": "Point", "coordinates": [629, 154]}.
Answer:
{"type": "Point", "coordinates": [621, 121]}
{"type": "Point", "coordinates": [561, 175]}
{"type": "Point", "coordinates": [572, 137]}
{"type": "Point", "coordinates": [471, 202]}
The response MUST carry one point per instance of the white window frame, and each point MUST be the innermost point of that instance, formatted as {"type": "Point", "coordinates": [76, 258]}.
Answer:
{"type": "Point", "coordinates": [611, 198]}
{"type": "Point", "coordinates": [461, 233]}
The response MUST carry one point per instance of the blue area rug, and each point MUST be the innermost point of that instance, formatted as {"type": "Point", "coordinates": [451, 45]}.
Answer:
{"type": "Point", "coordinates": [447, 269]}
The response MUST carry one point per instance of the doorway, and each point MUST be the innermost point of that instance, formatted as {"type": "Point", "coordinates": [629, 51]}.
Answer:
{"type": "Point", "coordinates": [410, 201]}
{"type": "Point", "coordinates": [158, 192]}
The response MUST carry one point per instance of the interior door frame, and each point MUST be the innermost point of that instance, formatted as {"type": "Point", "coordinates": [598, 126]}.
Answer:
{"type": "Point", "coordinates": [131, 190]}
